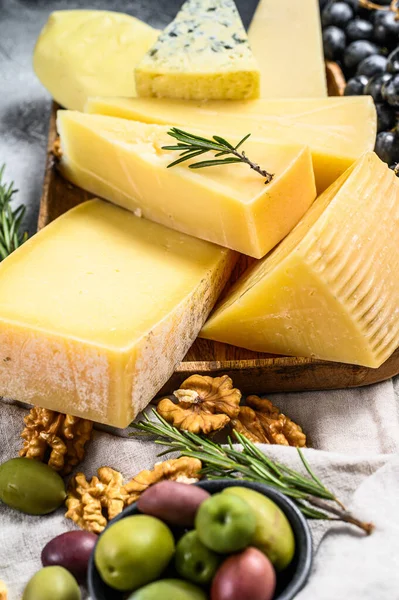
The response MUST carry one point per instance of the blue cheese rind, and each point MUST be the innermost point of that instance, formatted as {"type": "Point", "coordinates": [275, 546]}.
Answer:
{"type": "Point", "coordinates": [203, 54]}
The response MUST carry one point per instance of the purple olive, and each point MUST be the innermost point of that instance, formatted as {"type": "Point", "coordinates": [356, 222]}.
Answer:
{"type": "Point", "coordinates": [172, 502]}
{"type": "Point", "coordinates": [248, 575]}
{"type": "Point", "coordinates": [70, 550]}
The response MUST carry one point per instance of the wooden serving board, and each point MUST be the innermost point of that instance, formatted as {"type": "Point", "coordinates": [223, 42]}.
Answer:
{"type": "Point", "coordinates": [252, 372]}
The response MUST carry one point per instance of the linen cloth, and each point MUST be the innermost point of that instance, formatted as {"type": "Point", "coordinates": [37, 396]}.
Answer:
{"type": "Point", "coordinates": [355, 439]}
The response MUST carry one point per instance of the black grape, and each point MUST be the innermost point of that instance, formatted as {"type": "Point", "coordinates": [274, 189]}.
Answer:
{"type": "Point", "coordinates": [334, 41]}
{"type": "Point", "coordinates": [387, 147]}
{"type": "Point", "coordinates": [359, 29]}
{"type": "Point", "coordinates": [393, 62]}
{"type": "Point", "coordinates": [356, 86]}
{"type": "Point", "coordinates": [374, 86]}
{"type": "Point", "coordinates": [390, 91]}
{"type": "Point", "coordinates": [358, 51]}
{"type": "Point", "coordinates": [385, 117]}
{"type": "Point", "coordinates": [372, 65]}
{"type": "Point", "coordinates": [336, 13]}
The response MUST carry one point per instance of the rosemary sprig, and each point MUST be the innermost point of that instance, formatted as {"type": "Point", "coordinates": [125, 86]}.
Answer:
{"type": "Point", "coordinates": [11, 236]}
{"type": "Point", "coordinates": [221, 462]}
{"type": "Point", "coordinates": [191, 146]}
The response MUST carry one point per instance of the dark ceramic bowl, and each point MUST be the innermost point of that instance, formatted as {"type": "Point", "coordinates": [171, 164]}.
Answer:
{"type": "Point", "coordinates": [289, 583]}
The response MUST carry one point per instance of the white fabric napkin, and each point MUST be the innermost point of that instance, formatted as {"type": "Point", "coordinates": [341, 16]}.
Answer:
{"type": "Point", "coordinates": [356, 434]}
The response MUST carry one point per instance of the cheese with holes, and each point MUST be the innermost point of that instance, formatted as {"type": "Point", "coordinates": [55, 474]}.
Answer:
{"type": "Point", "coordinates": [98, 308]}
{"type": "Point", "coordinates": [81, 53]}
{"type": "Point", "coordinates": [337, 130]}
{"type": "Point", "coordinates": [203, 54]}
{"type": "Point", "coordinates": [330, 290]}
{"type": "Point", "coordinates": [230, 205]}
{"type": "Point", "coordinates": [285, 37]}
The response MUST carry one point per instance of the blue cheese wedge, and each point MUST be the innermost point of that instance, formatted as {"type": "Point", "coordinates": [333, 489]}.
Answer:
{"type": "Point", "coordinates": [204, 54]}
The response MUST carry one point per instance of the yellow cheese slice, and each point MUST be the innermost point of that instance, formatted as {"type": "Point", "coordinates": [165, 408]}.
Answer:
{"type": "Point", "coordinates": [98, 308]}
{"type": "Point", "coordinates": [330, 290]}
{"type": "Point", "coordinates": [337, 130]}
{"type": "Point", "coordinates": [123, 161]}
{"type": "Point", "coordinates": [81, 53]}
{"type": "Point", "coordinates": [203, 54]}
{"type": "Point", "coordinates": [285, 37]}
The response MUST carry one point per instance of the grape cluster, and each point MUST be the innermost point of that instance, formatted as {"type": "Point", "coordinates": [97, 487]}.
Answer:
{"type": "Point", "coordinates": [365, 43]}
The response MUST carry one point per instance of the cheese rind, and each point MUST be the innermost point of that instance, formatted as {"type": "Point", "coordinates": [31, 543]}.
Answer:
{"type": "Point", "coordinates": [203, 54]}
{"type": "Point", "coordinates": [330, 290]}
{"type": "Point", "coordinates": [81, 53]}
{"type": "Point", "coordinates": [337, 130]}
{"type": "Point", "coordinates": [98, 308]}
{"type": "Point", "coordinates": [124, 162]}
{"type": "Point", "coordinates": [285, 37]}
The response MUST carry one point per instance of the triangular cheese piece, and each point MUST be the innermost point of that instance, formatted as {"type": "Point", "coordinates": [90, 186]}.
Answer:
{"type": "Point", "coordinates": [124, 162]}
{"type": "Point", "coordinates": [203, 54]}
{"type": "Point", "coordinates": [330, 290]}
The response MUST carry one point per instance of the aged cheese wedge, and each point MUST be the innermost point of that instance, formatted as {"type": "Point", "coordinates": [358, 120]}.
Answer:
{"type": "Point", "coordinates": [81, 53]}
{"type": "Point", "coordinates": [330, 290]}
{"type": "Point", "coordinates": [337, 130]}
{"type": "Point", "coordinates": [98, 308]}
{"type": "Point", "coordinates": [285, 37]}
{"type": "Point", "coordinates": [203, 54]}
{"type": "Point", "coordinates": [123, 161]}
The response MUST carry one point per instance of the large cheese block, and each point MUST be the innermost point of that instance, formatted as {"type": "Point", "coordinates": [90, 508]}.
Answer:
{"type": "Point", "coordinates": [203, 54]}
{"type": "Point", "coordinates": [285, 36]}
{"type": "Point", "coordinates": [98, 308]}
{"type": "Point", "coordinates": [81, 53]}
{"type": "Point", "coordinates": [123, 161]}
{"type": "Point", "coordinates": [337, 130]}
{"type": "Point", "coordinates": [330, 290]}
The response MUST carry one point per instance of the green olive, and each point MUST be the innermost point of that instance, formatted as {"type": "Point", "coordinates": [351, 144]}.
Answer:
{"type": "Point", "coordinates": [52, 583]}
{"type": "Point", "coordinates": [133, 552]}
{"type": "Point", "coordinates": [169, 589]}
{"type": "Point", "coordinates": [30, 486]}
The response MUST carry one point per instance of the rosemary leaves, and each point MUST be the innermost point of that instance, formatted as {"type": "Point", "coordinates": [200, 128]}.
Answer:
{"type": "Point", "coordinates": [190, 146]}
{"type": "Point", "coordinates": [11, 236]}
{"type": "Point", "coordinates": [250, 463]}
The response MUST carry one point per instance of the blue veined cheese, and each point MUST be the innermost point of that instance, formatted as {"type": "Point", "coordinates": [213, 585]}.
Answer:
{"type": "Point", "coordinates": [204, 54]}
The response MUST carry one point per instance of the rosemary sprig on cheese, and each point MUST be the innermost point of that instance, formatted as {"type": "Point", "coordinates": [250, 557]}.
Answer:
{"type": "Point", "coordinates": [11, 236]}
{"type": "Point", "coordinates": [190, 146]}
{"type": "Point", "coordinates": [226, 462]}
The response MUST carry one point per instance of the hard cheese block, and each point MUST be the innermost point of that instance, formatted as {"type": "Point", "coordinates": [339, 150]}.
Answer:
{"type": "Point", "coordinates": [81, 53]}
{"type": "Point", "coordinates": [203, 54]}
{"type": "Point", "coordinates": [123, 161]}
{"type": "Point", "coordinates": [285, 37]}
{"type": "Point", "coordinates": [98, 308]}
{"type": "Point", "coordinates": [330, 290]}
{"type": "Point", "coordinates": [337, 130]}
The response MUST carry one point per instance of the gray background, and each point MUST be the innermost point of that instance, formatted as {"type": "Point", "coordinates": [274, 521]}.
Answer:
{"type": "Point", "coordinates": [25, 104]}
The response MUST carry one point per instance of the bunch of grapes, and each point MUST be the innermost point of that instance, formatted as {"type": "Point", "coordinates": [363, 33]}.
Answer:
{"type": "Point", "coordinates": [365, 43]}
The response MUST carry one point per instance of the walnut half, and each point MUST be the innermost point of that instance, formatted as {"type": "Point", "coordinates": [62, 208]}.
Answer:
{"type": "Point", "coordinates": [262, 422]}
{"type": "Point", "coordinates": [205, 404]}
{"type": "Point", "coordinates": [91, 504]}
{"type": "Point", "coordinates": [55, 438]}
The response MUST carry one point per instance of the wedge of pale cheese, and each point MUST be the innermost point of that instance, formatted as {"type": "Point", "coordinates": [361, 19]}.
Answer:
{"type": "Point", "coordinates": [203, 54]}
{"type": "Point", "coordinates": [124, 162]}
{"type": "Point", "coordinates": [98, 308]}
{"type": "Point", "coordinates": [330, 290]}
{"type": "Point", "coordinates": [81, 53]}
{"type": "Point", "coordinates": [285, 37]}
{"type": "Point", "coordinates": [337, 130]}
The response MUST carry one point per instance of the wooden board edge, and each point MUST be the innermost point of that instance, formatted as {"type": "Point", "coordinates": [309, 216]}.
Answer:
{"type": "Point", "coordinates": [43, 218]}
{"type": "Point", "coordinates": [264, 376]}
